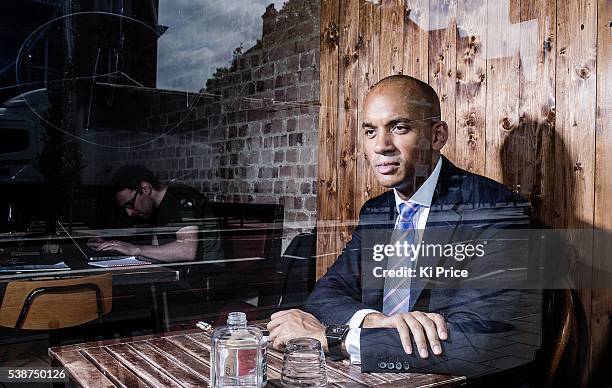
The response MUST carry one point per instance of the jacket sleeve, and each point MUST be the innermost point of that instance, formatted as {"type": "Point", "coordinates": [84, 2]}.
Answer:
{"type": "Point", "coordinates": [490, 329]}
{"type": "Point", "coordinates": [337, 295]}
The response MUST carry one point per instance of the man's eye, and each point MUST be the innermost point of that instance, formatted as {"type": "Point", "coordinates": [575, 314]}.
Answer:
{"type": "Point", "coordinates": [370, 133]}
{"type": "Point", "coordinates": [401, 129]}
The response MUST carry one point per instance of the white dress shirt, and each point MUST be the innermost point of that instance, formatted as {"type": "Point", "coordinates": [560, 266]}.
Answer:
{"type": "Point", "coordinates": [423, 197]}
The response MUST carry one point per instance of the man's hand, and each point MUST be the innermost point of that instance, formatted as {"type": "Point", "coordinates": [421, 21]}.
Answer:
{"type": "Point", "coordinates": [424, 327]}
{"type": "Point", "coordinates": [289, 324]}
{"type": "Point", "coordinates": [95, 242]}
{"type": "Point", "coordinates": [118, 246]}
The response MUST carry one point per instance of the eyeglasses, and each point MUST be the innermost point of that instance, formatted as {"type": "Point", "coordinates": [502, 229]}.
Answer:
{"type": "Point", "coordinates": [130, 204]}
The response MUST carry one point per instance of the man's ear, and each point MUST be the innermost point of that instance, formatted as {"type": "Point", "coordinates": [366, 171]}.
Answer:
{"type": "Point", "coordinates": [146, 188]}
{"type": "Point", "coordinates": [439, 135]}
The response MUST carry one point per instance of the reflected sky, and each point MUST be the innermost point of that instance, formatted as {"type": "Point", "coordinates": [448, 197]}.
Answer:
{"type": "Point", "coordinates": [201, 36]}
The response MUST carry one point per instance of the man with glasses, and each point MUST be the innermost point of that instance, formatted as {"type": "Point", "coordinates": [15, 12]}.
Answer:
{"type": "Point", "coordinates": [140, 193]}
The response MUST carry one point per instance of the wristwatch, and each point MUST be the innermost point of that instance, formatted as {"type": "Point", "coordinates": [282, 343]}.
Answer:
{"type": "Point", "coordinates": [336, 334]}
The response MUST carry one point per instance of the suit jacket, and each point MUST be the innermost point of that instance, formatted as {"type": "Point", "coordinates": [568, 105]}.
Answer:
{"type": "Point", "coordinates": [465, 207]}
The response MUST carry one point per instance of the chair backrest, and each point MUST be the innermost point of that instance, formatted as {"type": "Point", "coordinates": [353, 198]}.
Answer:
{"type": "Point", "coordinates": [565, 322]}
{"type": "Point", "coordinates": [57, 303]}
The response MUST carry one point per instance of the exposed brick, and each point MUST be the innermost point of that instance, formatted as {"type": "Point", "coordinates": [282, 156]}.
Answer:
{"type": "Point", "coordinates": [279, 156]}
{"type": "Point", "coordinates": [277, 126]}
{"type": "Point", "coordinates": [286, 171]}
{"type": "Point", "coordinates": [243, 130]}
{"type": "Point", "coordinates": [280, 141]}
{"type": "Point", "coordinates": [306, 60]}
{"type": "Point", "coordinates": [311, 203]}
{"type": "Point", "coordinates": [292, 155]}
{"type": "Point", "coordinates": [295, 139]}
{"type": "Point", "coordinates": [239, 143]}
{"type": "Point", "coordinates": [291, 124]}
{"type": "Point", "coordinates": [264, 186]}
{"type": "Point", "coordinates": [279, 187]}
{"type": "Point", "coordinates": [291, 94]}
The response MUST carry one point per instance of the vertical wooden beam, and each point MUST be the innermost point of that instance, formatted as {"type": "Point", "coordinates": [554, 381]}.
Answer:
{"type": "Point", "coordinates": [575, 118]}
{"type": "Point", "coordinates": [601, 327]}
{"type": "Point", "coordinates": [537, 102]}
{"type": "Point", "coordinates": [347, 118]}
{"type": "Point", "coordinates": [327, 197]}
{"type": "Point", "coordinates": [471, 84]}
{"type": "Point", "coordinates": [391, 38]}
{"type": "Point", "coordinates": [575, 142]}
{"type": "Point", "coordinates": [369, 35]}
{"type": "Point", "coordinates": [416, 42]}
{"type": "Point", "coordinates": [502, 120]}
{"type": "Point", "coordinates": [443, 64]}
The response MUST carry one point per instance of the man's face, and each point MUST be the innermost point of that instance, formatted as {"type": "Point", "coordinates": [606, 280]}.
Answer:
{"type": "Point", "coordinates": [137, 203]}
{"type": "Point", "coordinates": [397, 135]}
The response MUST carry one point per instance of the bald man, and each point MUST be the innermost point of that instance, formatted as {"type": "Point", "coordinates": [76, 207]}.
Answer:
{"type": "Point", "coordinates": [408, 322]}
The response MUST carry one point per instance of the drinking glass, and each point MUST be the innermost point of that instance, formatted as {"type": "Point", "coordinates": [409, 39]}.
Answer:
{"type": "Point", "coordinates": [304, 364]}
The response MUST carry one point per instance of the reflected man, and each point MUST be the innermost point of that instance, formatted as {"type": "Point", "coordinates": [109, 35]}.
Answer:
{"type": "Point", "coordinates": [189, 227]}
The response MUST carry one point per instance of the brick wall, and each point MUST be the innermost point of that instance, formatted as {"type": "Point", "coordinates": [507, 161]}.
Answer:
{"type": "Point", "coordinates": [251, 136]}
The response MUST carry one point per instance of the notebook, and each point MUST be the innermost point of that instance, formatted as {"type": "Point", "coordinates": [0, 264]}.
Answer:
{"type": "Point", "coordinates": [61, 266]}
{"type": "Point", "coordinates": [125, 262]}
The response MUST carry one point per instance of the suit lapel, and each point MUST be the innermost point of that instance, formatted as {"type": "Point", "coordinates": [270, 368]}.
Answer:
{"type": "Point", "coordinates": [442, 222]}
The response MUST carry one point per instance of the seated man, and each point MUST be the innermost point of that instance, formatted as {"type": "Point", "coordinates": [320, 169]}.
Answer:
{"type": "Point", "coordinates": [410, 322]}
{"type": "Point", "coordinates": [140, 193]}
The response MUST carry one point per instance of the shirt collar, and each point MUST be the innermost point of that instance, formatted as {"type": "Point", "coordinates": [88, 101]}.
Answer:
{"type": "Point", "coordinates": [424, 194]}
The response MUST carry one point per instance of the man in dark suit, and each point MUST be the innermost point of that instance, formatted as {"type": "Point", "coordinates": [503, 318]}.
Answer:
{"type": "Point", "coordinates": [460, 322]}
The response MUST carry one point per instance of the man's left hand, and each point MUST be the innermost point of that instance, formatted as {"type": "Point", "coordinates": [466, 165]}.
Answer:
{"type": "Point", "coordinates": [289, 324]}
{"type": "Point", "coordinates": [119, 246]}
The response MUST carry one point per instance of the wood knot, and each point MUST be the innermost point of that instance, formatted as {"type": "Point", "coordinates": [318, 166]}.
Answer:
{"type": "Point", "coordinates": [471, 120]}
{"type": "Point", "coordinates": [359, 44]}
{"type": "Point", "coordinates": [331, 34]}
{"type": "Point", "coordinates": [441, 57]}
{"type": "Point", "coordinates": [347, 60]}
{"type": "Point", "coordinates": [506, 123]}
{"type": "Point", "coordinates": [577, 166]}
{"type": "Point", "coordinates": [583, 73]}
{"type": "Point", "coordinates": [563, 51]}
{"type": "Point", "coordinates": [482, 78]}
{"type": "Point", "coordinates": [550, 116]}
{"type": "Point", "coordinates": [547, 45]}
{"type": "Point", "coordinates": [347, 103]}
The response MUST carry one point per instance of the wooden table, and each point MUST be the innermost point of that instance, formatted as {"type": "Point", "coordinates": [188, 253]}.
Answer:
{"type": "Point", "coordinates": [182, 359]}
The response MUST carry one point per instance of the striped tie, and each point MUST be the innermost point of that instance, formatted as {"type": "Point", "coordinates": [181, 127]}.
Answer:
{"type": "Point", "coordinates": [397, 289]}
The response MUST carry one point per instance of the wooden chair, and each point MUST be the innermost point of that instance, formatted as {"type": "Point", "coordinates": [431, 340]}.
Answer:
{"type": "Point", "coordinates": [561, 318]}
{"type": "Point", "coordinates": [57, 303]}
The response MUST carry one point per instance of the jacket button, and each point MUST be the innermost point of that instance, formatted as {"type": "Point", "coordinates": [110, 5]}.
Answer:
{"type": "Point", "coordinates": [406, 365]}
{"type": "Point", "coordinates": [398, 365]}
{"type": "Point", "coordinates": [382, 365]}
{"type": "Point", "coordinates": [391, 366]}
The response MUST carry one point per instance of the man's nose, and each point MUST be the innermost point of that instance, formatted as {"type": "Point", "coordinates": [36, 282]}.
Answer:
{"type": "Point", "coordinates": [384, 143]}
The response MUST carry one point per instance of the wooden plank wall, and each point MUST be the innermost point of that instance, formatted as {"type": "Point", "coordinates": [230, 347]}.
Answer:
{"type": "Point", "coordinates": [525, 88]}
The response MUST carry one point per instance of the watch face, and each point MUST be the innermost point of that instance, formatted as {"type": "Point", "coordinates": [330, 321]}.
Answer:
{"type": "Point", "coordinates": [337, 331]}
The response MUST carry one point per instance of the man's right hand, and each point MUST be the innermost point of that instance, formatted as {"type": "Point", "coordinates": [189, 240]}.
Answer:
{"type": "Point", "coordinates": [95, 242]}
{"type": "Point", "coordinates": [423, 327]}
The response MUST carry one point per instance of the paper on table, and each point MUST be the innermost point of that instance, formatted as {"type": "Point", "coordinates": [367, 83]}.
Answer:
{"type": "Point", "coordinates": [61, 266]}
{"type": "Point", "coordinates": [128, 261]}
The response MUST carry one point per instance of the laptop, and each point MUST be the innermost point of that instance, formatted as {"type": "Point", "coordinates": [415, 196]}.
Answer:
{"type": "Point", "coordinates": [95, 255]}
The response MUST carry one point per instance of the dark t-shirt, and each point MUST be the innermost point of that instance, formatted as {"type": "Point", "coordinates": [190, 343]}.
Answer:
{"type": "Point", "coordinates": [183, 206]}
